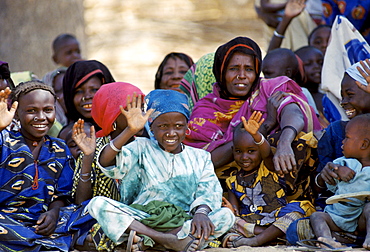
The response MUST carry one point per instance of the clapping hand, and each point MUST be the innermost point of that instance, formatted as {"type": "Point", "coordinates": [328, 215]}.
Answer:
{"type": "Point", "coordinates": [6, 116]}
{"type": "Point", "coordinates": [86, 143]}
{"type": "Point", "coordinates": [136, 118]}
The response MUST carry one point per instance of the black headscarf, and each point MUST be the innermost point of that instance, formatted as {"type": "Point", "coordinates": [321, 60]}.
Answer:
{"type": "Point", "coordinates": [224, 53]}
{"type": "Point", "coordinates": [76, 75]}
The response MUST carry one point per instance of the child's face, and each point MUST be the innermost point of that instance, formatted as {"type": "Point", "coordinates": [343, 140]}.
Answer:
{"type": "Point", "coordinates": [173, 71]}
{"type": "Point", "coordinates": [169, 129]}
{"type": "Point", "coordinates": [320, 39]}
{"type": "Point", "coordinates": [84, 94]}
{"type": "Point", "coordinates": [312, 63]}
{"type": "Point", "coordinates": [36, 113]}
{"type": "Point", "coordinates": [68, 53]}
{"type": "Point", "coordinates": [354, 100]}
{"type": "Point", "coordinates": [58, 89]}
{"type": "Point", "coordinates": [246, 152]}
{"type": "Point", "coordinates": [352, 141]}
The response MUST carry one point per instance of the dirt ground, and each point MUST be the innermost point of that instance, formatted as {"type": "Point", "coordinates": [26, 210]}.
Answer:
{"type": "Point", "coordinates": [278, 248]}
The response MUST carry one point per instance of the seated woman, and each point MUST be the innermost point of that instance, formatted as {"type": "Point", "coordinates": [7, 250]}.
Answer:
{"type": "Point", "coordinates": [163, 172]}
{"type": "Point", "coordinates": [36, 176]}
{"type": "Point", "coordinates": [238, 92]}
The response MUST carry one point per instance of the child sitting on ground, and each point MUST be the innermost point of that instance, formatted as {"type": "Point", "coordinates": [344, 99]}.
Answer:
{"type": "Point", "coordinates": [353, 216]}
{"type": "Point", "coordinates": [256, 192]}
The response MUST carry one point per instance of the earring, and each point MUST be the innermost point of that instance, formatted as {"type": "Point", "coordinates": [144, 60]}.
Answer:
{"type": "Point", "coordinates": [114, 126]}
{"type": "Point", "coordinates": [35, 118]}
{"type": "Point", "coordinates": [237, 77]}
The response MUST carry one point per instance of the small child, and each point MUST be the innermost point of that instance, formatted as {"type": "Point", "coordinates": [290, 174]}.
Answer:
{"type": "Point", "coordinates": [353, 216]}
{"type": "Point", "coordinates": [256, 192]}
{"type": "Point", "coordinates": [66, 50]}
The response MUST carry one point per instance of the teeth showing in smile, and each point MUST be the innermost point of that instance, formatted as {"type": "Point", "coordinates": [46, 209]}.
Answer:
{"type": "Point", "coordinates": [170, 141]}
{"type": "Point", "coordinates": [241, 85]}
{"type": "Point", "coordinates": [87, 106]}
{"type": "Point", "coordinates": [39, 126]}
{"type": "Point", "coordinates": [350, 112]}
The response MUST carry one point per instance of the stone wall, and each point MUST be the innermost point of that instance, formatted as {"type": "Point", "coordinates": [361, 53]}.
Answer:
{"type": "Point", "coordinates": [130, 36]}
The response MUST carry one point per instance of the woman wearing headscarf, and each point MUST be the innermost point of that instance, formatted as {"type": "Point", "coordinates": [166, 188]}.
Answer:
{"type": "Point", "coordinates": [89, 181]}
{"type": "Point", "coordinates": [81, 81]}
{"type": "Point", "coordinates": [239, 91]}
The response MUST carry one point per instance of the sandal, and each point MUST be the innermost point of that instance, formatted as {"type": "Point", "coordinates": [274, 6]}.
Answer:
{"type": "Point", "coordinates": [226, 239]}
{"type": "Point", "coordinates": [130, 242]}
{"type": "Point", "coordinates": [193, 238]}
{"type": "Point", "coordinates": [346, 197]}
{"type": "Point", "coordinates": [307, 247]}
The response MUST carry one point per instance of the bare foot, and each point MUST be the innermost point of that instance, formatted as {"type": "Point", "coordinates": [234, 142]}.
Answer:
{"type": "Point", "coordinates": [366, 243]}
{"type": "Point", "coordinates": [138, 244]}
{"type": "Point", "coordinates": [329, 241]}
{"type": "Point", "coordinates": [237, 241]}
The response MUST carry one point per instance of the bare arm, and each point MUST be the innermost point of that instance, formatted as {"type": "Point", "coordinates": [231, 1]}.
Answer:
{"type": "Point", "coordinates": [284, 160]}
{"type": "Point", "coordinates": [222, 155]}
{"type": "Point", "coordinates": [292, 9]}
{"type": "Point", "coordinates": [135, 120]}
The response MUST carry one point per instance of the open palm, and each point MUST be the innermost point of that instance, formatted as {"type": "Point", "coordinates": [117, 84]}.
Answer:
{"type": "Point", "coordinates": [86, 143]}
{"type": "Point", "coordinates": [6, 116]}
{"type": "Point", "coordinates": [254, 122]}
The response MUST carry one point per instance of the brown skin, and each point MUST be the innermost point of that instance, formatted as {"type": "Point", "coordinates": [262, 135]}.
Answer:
{"type": "Point", "coordinates": [173, 72]}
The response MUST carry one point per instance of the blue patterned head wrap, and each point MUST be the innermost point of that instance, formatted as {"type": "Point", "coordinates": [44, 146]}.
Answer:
{"type": "Point", "coordinates": [355, 74]}
{"type": "Point", "coordinates": [165, 101]}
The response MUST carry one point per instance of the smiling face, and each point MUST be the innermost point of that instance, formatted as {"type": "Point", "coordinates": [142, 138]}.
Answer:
{"type": "Point", "coordinates": [240, 74]}
{"type": "Point", "coordinates": [354, 100]}
{"type": "Point", "coordinates": [84, 94]}
{"type": "Point", "coordinates": [169, 129]}
{"type": "Point", "coordinates": [36, 113]}
{"type": "Point", "coordinates": [173, 71]}
{"type": "Point", "coordinates": [246, 152]}
{"type": "Point", "coordinates": [312, 62]}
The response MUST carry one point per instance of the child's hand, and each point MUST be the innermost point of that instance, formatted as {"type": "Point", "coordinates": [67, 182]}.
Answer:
{"type": "Point", "coordinates": [85, 143]}
{"type": "Point", "coordinates": [47, 222]}
{"type": "Point", "coordinates": [345, 173]}
{"type": "Point", "coordinates": [294, 7]}
{"type": "Point", "coordinates": [136, 118]}
{"type": "Point", "coordinates": [365, 74]}
{"type": "Point", "coordinates": [226, 203]}
{"type": "Point", "coordinates": [6, 116]}
{"type": "Point", "coordinates": [254, 122]}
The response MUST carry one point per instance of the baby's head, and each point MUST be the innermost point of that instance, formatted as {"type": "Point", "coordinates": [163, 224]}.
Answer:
{"type": "Point", "coordinates": [280, 62]}
{"type": "Point", "coordinates": [66, 50]}
{"type": "Point", "coordinates": [66, 134]}
{"type": "Point", "coordinates": [246, 153]}
{"type": "Point", "coordinates": [312, 62]}
{"type": "Point", "coordinates": [356, 143]}
{"type": "Point", "coordinates": [169, 120]}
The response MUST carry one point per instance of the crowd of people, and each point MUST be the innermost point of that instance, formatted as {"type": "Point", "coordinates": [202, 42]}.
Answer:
{"type": "Point", "coordinates": [233, 150]}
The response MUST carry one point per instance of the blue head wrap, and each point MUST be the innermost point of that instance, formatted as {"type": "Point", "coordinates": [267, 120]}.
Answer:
{"type": "Point", "coordinates": [355, 74]}
{"type": "Point", "coordinates": [165, 101]}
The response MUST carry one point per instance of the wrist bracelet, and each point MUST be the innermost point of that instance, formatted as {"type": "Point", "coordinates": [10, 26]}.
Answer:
{"type": "Point", "coordinates": [85, 174]}
{"type": "Point", "coordinates": [85, 180]}
{"type": "Point", "coordinates": [260, 142]}
{"type": "Point", "coordinates": [290, 127]}
{"type": "Point", "coordinates": [276, 34]}
{"type": "Point", "coordinates": [111, 144]}
{"type": "Point", "coordinates": [202, 210]}
{"type": "Point", "coordinates": [317, 183]}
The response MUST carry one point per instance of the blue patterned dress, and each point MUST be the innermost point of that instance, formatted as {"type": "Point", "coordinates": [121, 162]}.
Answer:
{"type": "Point", "coordinates": [28, 186]}
{"type": "Point", "coordinates": [148, 173]}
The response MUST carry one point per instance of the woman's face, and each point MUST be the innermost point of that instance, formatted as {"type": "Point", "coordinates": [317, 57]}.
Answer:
{"type": "Point", "coordinates": [354, 100]}
{"type": "Point", "coordinates": [169, 129]}
{"type": "Point", "coordinates": [84, 94]}
{"type": "Point", "coordinates": [173, 72]}
{"type": "Point", "coordinates": [240, 74]}
{"type": "Point", "coordinates": [36, 113]}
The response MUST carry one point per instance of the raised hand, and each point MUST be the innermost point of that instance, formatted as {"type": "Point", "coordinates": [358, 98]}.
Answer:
{"type": "Point", "coordinates": [254, 123]}
{"type": "Point", "coordinates": [6, 116]}
{"type": "Point", "coordinates": [86, 143]}
{"type": "Point", "coordinates": [365, 74]}
{"type": "Point", "coordinates": [136, 118]}
{"type": "Point", "coordinates": [294, 7]}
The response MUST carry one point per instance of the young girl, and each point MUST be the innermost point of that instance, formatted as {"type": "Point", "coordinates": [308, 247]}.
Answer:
{"type": "Point", "coordinates": [35, 176]}
{"type": "Point", "coordinates": [256, 192]}
{"type": "Point", "coordinates": [164, 172]}
{"type": "Point", "coordinates": [354, 215]}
